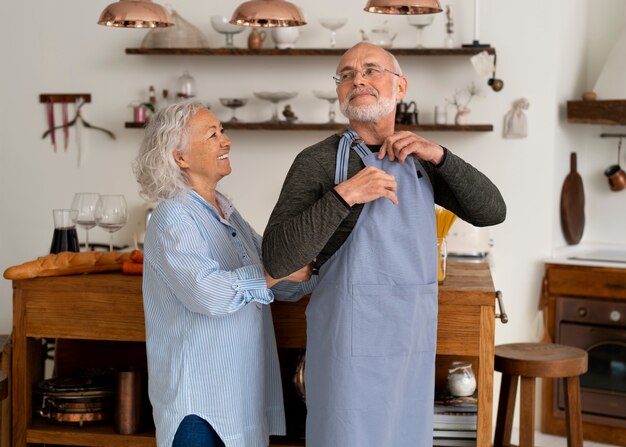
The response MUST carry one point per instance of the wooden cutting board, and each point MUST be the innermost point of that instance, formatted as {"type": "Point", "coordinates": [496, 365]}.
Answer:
{"type": "Point", "coordinates": [573, 205]}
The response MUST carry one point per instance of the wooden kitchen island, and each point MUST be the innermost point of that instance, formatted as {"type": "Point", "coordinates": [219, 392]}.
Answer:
{"type": "Point", "coordinates": [109, 307]}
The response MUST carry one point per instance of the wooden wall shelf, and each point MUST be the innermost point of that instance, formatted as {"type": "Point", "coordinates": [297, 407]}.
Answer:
{"type": "Point", "coordinates": [607, 112]}
{"type": "Point", "coordinates": [339, 126]}
{"type": "Point", "coordinates": [302, 51]}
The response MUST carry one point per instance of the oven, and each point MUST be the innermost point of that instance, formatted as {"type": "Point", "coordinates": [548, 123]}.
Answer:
{"type": "Point", "coordinates": [599, 327]}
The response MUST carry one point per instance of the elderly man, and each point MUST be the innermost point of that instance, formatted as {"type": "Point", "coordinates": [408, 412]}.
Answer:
{"type": "Point", "coordinates": [361, 204]}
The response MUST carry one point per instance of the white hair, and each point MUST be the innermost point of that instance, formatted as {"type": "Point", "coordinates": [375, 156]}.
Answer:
{"type": "Point", "coordinates": [167, 133]}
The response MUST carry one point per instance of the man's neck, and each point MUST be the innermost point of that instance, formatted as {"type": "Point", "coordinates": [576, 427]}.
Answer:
{"type": "Point", "coordinates": [374, 132]}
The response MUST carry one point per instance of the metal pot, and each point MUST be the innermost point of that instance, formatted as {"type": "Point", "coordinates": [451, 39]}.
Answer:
{"type": "Point", "coordinates": [298, 378]}
{"type": "Point", "coordinates": [87, 396]}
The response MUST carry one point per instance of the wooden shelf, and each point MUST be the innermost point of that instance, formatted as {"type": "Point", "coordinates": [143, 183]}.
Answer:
{"type": "Point", "coordinates": [44, 432]}
{"type": "Point", "coordinates": [607, 112]}
{"type": "Point", "coordinates": [339, 126]}
{"type": "Point", "coordinates": [301, 51]}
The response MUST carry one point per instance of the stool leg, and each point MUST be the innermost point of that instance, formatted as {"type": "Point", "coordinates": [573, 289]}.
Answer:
{"type": "Point", "coordinates": [527, 412]}
{"type": "Point", "coordinates": [573, 416]}
{"type": "Point", "coordinates": [506, 408]}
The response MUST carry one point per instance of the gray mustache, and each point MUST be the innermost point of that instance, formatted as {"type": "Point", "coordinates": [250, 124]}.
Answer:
{"type": "Point", "coordinates": [359, 90]}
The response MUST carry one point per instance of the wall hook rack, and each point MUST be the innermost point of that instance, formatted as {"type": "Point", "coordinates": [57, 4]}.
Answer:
{"type": "Point", "coordinates": [63, 97]}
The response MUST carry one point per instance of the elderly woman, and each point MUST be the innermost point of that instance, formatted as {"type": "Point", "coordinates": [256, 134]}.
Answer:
{"type": "Point", "coordinates": [213, 370]}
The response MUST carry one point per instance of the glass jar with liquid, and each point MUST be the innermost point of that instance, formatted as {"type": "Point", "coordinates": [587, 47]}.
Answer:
{"type": "Point", "coordinates": [65, 237]}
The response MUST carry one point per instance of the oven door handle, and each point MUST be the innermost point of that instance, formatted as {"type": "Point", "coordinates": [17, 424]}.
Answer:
{"type": "Point", "coordinates": [608, 333]}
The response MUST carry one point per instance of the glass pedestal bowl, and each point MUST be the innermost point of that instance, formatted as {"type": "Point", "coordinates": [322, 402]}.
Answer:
{"type": "Point", "coordinates": [333, 24]}
{"type": "Point", "coordinates": [221, 25]}
{"type": "Point", "coordinates": [275, 98]}
{"type": "Point", "coordinates": [234, 104]}
{"type": "Point", "coordinates": [331, 97]}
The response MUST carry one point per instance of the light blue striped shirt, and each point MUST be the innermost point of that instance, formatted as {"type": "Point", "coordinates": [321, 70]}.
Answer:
{"type": "Point", "coordinates": [209, 335]}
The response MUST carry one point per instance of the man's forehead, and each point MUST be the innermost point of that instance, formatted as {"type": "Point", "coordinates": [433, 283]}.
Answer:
{"type": "Point", "coordinates": [363, 58]}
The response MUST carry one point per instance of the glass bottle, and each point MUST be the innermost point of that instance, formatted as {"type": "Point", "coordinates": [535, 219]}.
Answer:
{"type": "Point", "coordinates": [165, 100]}
{"type": "Point", "coordinates": [461, 379]}
{"type": "Point", "coordinates": [152, 95]}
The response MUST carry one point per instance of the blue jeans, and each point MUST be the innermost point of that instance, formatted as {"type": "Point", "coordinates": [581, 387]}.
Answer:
{"type": "Point", "coordinates": [194, 431]}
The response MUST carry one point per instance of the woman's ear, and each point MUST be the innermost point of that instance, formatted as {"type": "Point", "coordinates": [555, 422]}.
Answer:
{"type": "Point", "coordinates": [179, 159]}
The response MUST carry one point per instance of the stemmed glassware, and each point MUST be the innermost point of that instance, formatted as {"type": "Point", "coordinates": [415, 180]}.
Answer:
{"type": "Point", "coordinates": [331, 97]}
{"type": "Point", "coordinates": [234, 104]}
{"type": "Point", "coordinates": [222, 26]}
{"type": "Point", "coordinates": [111, 214]}
{"type": "Point", "coordinates": [275, 98]}
{"type": "Point", "coordinates": [420, 21]}
{"type": "Point", "coordinates": [85, 203]}
{"type": "Point", "coordinates": [333, 24]}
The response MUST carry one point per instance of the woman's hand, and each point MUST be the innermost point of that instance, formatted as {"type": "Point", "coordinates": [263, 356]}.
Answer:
{"type": "Point", "coordinates": [302, 275]}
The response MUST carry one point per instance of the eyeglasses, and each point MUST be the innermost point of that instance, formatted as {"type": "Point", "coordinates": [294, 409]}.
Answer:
{"type": "Point", "coordinates": [371, 72]}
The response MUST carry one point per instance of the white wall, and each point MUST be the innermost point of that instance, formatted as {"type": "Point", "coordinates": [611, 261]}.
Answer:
{"type": "Point", "coordinates": [545, 53]}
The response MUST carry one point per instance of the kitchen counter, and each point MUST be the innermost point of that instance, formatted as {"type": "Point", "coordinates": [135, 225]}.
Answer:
{"type": "Point", "coordinates": [590, 254]}
{"type": "Point", "coordinates": [108, 306]}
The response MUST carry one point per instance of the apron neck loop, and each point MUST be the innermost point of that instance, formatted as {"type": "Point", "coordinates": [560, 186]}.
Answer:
{"type": "Point", "coordinates": [349, 140]}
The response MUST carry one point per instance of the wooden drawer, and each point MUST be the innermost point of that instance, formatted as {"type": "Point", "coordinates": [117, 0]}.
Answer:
{"type": "Point", "coordinates": [586, 281]}
{"type": "Point", "coordinates": [458, 330]}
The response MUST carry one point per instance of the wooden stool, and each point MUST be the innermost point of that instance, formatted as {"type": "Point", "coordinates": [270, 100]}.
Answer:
{"type": "Point", "coordinates": [530, 360]}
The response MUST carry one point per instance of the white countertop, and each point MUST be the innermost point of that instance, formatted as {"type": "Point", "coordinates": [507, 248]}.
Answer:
{"type": "Point", "coordinates": [593, 254]}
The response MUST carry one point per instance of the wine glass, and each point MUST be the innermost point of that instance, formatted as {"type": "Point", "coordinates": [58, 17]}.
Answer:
{"type": "Point", "coordinates": [222, 26]}
{"type": "Point", "coordinates": [275, 98]}
{"type": "Point", "coordinates": [234, 104]}
{"type": "Point", "coordinates": [420, 21]}
{"type": "Point", "coordinates": [333, 24]}
{"type": "Point", "coordinates": [85, 203]}
{"type": "Point", "coordinates": [111, 214]}
{"type": "Point", "coordinates": [331, 97]}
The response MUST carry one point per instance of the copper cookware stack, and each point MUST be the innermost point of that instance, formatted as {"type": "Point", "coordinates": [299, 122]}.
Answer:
{"type": "Point", "coordinates": [84, 397]}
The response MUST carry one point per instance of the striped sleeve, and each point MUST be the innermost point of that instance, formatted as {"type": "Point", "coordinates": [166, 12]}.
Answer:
{"type": "Point", "coordinates": [191, 267]}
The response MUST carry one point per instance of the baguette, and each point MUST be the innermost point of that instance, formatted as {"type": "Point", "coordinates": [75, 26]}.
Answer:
{"type": "Point", "coordinates": [69, 263]}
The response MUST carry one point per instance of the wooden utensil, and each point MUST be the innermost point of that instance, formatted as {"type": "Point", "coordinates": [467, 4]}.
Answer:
{"type": "Point", "coordinates": [573, 205]}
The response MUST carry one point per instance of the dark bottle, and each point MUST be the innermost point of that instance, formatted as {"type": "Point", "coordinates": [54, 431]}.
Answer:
{"type": "Point", "coordinates": [64, 239]}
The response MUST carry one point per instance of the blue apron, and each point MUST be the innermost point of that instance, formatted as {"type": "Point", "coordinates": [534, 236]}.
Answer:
{"type": "Point", "coordinates": [372, 320]}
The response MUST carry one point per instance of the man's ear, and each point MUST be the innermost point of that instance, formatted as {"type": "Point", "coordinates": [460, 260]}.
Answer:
{"type": "Point", "coordinates": [179, 159]}
{"type": "Point", "coordinates": [401, 88]}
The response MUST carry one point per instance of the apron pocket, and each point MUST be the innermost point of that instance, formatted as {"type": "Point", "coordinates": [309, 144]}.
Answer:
{"type": "Point", "coordinates": [393, 320]}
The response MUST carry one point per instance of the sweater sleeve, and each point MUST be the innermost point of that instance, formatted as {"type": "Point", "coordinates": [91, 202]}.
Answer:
{"type": "Point", "coordinates": [467, 192]}
{"type": "Point", "coordinates": [304, 218]}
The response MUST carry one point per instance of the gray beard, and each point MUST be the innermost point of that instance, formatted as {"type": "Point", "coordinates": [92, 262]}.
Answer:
{"type": "Point", "coordinates": [369, 113]}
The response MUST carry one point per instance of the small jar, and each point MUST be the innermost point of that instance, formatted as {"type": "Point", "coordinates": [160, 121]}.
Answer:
{"type": "Point", "coordinates": [461, 379]}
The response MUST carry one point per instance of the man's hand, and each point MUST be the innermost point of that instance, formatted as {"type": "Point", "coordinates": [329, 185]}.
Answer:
{"type": "Point", "coordinates": [368, 185]}
{"type": "Point", "coordinates": [404, 143]}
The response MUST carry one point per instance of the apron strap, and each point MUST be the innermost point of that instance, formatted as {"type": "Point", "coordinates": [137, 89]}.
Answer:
{"type": "Point", "coordinates": [349, 140]}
